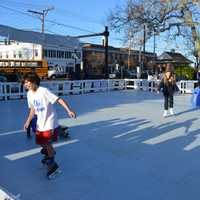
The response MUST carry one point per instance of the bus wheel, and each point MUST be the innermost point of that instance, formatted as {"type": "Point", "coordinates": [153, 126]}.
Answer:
{"type": "Point", "coordinates": [53, 77]}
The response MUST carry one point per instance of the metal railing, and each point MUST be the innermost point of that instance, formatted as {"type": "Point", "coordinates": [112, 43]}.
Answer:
{"type": "Point", "coordinates": [16, 90]}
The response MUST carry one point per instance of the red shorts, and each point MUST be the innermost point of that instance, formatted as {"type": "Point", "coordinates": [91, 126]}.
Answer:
{"type": "Point", "coordinates": [46, 137]}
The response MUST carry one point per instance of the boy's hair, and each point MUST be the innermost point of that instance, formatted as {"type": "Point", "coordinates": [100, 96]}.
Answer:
{"type": "Point", "coordinates": [32, 77]}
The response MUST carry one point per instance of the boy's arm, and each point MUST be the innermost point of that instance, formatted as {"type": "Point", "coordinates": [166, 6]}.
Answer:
{"type": "Point", "coordinates": [66, 107]}
{"type": "Point", "coordinates": [30, 117]}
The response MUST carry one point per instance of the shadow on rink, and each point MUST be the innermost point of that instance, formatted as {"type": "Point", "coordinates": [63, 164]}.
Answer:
{"type": "Point", "coordinates": [124, 150]}
{"type": "Point", "coordinates": [187, 111]}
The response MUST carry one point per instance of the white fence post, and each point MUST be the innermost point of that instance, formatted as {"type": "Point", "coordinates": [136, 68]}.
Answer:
{"type": "Point", "coordinates": [77, 87]}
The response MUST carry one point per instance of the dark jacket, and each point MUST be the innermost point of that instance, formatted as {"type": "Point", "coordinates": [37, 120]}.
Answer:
{"type": "Point", "coordinates": [167, 88]}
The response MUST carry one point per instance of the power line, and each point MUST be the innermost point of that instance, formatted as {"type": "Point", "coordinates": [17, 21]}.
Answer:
{"type": "Point", "coordinates": [86, 18]}
{"type": "Point", "coordinates": [65, 11]}
{"type": "Point", "coordinates": [50, 21]}
{"type": "Point", "coordinates": [15, 10]}
{"type": "Point", "coordinates": [69, 26]}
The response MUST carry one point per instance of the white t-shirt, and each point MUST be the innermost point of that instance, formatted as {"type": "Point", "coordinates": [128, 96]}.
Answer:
{"type": "Point", "coordinates": [42, 101]}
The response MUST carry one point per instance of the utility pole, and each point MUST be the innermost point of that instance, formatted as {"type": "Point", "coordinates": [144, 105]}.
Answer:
{"type": "Point", "coordinates": [139, 69]}
{"type": "Point", "coordinates": [144, 39]}
{"type": "Point", "coordinates": [42, 15]}
{"type": "Point", "coordinates": [129, 50]}
{"type": "Point", "coordinates": [129, 57]}
{"type": "Point", "coordinates": [154, 52]}
{"type": "Point", "coordinates": [106, 35]}
{"type": "Point", "coordinates": [154, 43]}
{"type": "Point", "coordinates": [144, 47]}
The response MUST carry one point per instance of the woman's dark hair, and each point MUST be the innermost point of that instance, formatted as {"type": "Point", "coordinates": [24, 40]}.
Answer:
{"type": "Point", "coordinates": [32, 77]}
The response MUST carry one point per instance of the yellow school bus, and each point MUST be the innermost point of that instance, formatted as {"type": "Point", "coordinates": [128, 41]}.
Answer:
{"type": "Point", "coordinates": [23, 66]}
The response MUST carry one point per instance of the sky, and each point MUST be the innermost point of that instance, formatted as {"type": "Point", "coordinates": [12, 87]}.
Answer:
{"type": "Point", "coordinates": [84, 16]}
{"type": "Point", "coordinates": [78, 17]}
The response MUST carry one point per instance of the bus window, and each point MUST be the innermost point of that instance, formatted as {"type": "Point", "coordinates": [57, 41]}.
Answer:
{"type": "Point", "coordinates": [12, 64]}
{"type": "Point", "coordinates": [17, 64]}
{"type": "Point", "coordinates": [23, 64]}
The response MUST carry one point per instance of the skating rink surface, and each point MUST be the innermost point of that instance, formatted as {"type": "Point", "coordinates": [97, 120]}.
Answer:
{"type": "Point", "coordinates": [121, 148]}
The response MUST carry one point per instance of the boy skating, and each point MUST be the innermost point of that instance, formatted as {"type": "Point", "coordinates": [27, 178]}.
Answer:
{"type": "Point", "coordinates": [41, 102]}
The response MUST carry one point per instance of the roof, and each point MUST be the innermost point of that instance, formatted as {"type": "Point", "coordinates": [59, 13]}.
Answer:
{"type": "Point", "coordinates": [38, 38]}
{"type": "Point", "coordinates": [173, 57]}
{"type": "Point", "coordinates": [89, 46]}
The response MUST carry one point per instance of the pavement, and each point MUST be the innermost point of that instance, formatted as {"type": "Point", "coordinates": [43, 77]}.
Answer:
{"type": "Point", "coordinates": [121, 148]}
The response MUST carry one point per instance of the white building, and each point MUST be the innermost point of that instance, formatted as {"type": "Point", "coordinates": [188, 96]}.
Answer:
{"type": "Point", "coordinates": [57, 50]}
{"type": "Point", "coordinates": [20, 51]}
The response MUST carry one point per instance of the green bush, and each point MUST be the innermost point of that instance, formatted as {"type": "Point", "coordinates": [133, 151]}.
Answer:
{"type": "Point", "coordinates": [185, 72]}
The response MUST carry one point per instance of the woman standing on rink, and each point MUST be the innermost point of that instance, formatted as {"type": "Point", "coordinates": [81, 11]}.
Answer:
{"type": "Point", "coordinates": [168, 87]}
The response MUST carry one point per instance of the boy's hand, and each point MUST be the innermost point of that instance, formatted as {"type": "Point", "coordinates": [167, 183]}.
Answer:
{"type": "Point", "coordinates": [26, 125]}
{"type": "Point", "coordinates": [72, 114]}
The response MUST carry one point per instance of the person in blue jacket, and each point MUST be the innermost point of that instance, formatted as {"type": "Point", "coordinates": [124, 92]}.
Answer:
{"type": "Point", "coordinates": [196, 96]}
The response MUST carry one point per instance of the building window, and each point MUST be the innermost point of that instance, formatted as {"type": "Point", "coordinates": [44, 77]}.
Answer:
{"type": "Point", "coordinates": [78, 54]}
{"type": "Point", "coordinates": [58, 54]}
{"type": "Point", "coordinates": [45, 53]}
{"type": "Point", "coordinates": [54, 53]}
{"type": "Point", "coordinates": [14, 55]}
{"type": "Point", "coordinates": [136, 57]}
{"type": "Point", "coordinates": [20, 54]}
{"type": "Point", "coordinates": [36, 53]}
{"type": "Point", "coordinates": [48, 53]}
{"type": "Point", "coordinates": [61, 54]}
{"type": "Point", "coordinates": [69, 54]}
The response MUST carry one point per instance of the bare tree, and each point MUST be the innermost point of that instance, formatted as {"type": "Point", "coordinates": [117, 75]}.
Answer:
{"type": "Point", "coordinates": [180, 18]}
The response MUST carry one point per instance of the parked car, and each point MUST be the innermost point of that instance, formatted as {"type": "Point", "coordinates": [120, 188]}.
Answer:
{"type": "Point", "coordinates": [130, 74]}
{"type": "Point", "coordinates": [11, 77]}
{"type": "Point", "coordinates": [56, 72]}
{"type": "Point", "coordinates": [112, 75]}
{"type": "Point", "coordinates": [126, 73]}
{"type": "Point", "coordinates": [3, 78]}
{"type": "Point", "coordinates": [13, 80]}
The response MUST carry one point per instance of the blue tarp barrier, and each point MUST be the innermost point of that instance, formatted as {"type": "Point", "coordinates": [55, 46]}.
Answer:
{"type": "Point", "coordinates": [196, 98]}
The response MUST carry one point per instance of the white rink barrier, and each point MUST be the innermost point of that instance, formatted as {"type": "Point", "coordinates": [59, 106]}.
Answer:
{"type": "Point", "coordinates": [142, 84]}
{"type": "Point", "coordinates": [16, 90]}
{"type": "Point", "coordinates": [187, 87]}
{"type": "Point", "coordinates": [1, 90]}
{"type": "Point", "coordinates": [5, 195]}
